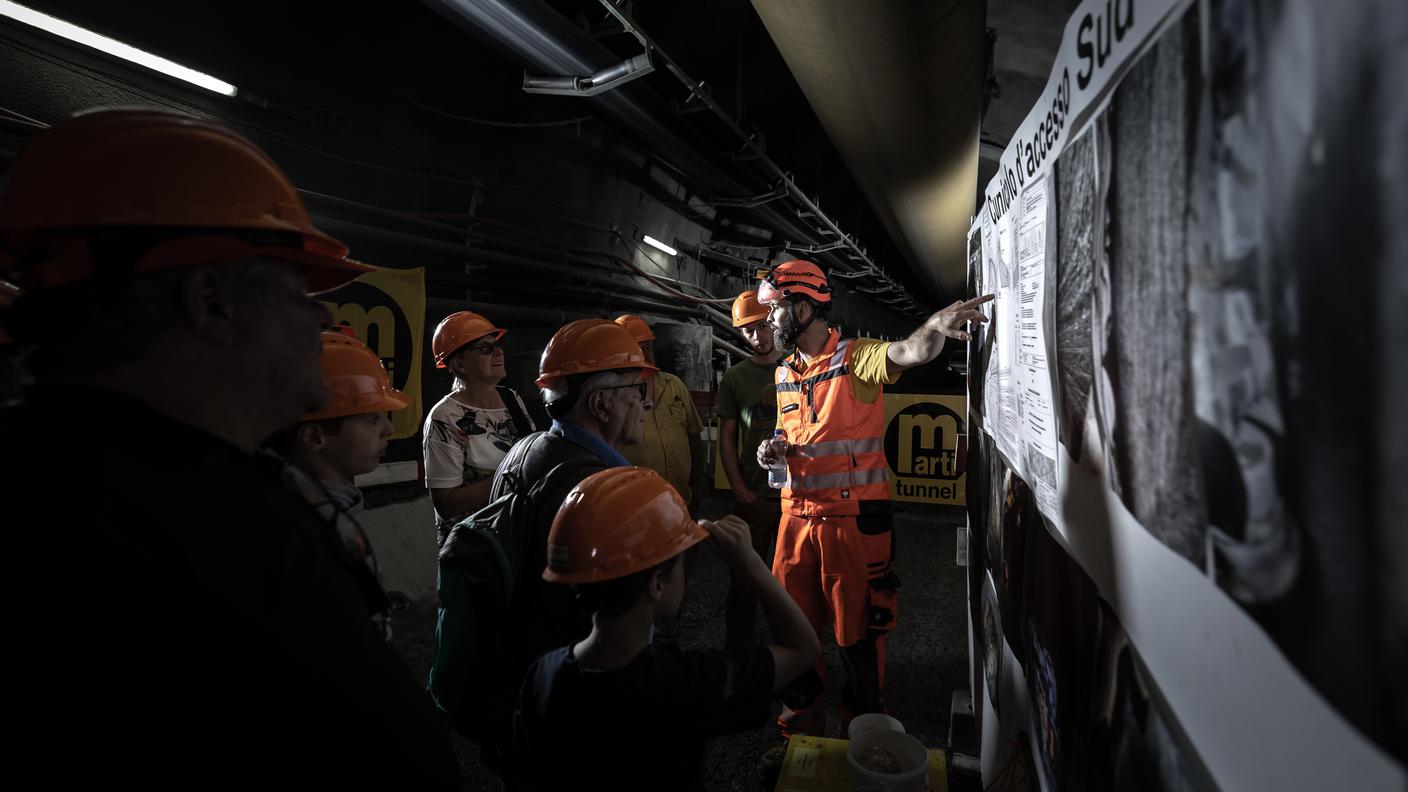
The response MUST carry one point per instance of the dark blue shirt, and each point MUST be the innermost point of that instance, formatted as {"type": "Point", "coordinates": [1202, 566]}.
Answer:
{"type": "Point", "coordinates": [640, 727]}
{"type": "Point", "coordinates": [581, 437]}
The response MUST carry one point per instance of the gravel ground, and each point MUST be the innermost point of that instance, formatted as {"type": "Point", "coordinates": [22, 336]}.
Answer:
{"type": "Point", "coordinates": [926, 654]}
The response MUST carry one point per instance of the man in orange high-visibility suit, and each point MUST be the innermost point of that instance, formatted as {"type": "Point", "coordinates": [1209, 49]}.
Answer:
{"type": "Point", "coordinates": [834, 540]}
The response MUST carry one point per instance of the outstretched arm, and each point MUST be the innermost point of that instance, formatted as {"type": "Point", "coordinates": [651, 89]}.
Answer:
{"type": "Point", "coordinates": [925, 344]}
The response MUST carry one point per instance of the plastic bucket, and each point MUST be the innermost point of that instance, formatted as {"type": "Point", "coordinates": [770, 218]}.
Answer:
{"type": "Point", "coordinates": [910, 755]}
{"type": "Point", "coordinates": [872, 720]}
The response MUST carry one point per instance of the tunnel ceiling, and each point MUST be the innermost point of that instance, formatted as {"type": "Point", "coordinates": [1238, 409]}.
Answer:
{"type": "Point", "coordinates": [1027, 35]}
{"type": "Point", "coordinates": [898, 86]}
{"type": "Point", "coordinates": [873, 108]}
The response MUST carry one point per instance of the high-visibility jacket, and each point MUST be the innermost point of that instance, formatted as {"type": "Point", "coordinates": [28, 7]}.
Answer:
{"type": "Point", "coordinates": [837, 458]}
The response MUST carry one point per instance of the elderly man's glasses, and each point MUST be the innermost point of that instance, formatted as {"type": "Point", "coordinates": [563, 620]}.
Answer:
{"type": "Point", "coordinates": [484, 347]}
{"type": "Point", "coordinates": [641, 388]}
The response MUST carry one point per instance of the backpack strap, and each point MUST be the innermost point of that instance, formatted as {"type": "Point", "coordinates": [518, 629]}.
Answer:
{"type": "Point", "coordinates": [512, 465]}
{"type": "Point", "coordinates": [560, 471]}
{"type": "Point", "coordinates": [515, 410]}
{"type": "Point", "coordinates": [523, 544]}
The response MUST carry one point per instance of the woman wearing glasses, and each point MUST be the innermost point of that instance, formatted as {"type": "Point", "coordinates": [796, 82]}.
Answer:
{"type": "Point", "coordinates": [468, 432]}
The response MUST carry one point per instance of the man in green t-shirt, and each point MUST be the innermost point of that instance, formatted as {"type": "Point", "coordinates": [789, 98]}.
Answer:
{"type": "Point", "coordinates": [747, 403]}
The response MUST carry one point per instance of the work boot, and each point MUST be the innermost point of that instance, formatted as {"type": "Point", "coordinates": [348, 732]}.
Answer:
{"type": "Point", "coordinates": [770, 763]}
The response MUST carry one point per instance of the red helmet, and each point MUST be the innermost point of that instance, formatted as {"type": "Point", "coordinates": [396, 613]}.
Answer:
{"type": "Point", "coordinates": [214, 196]}
{"type": "Point", "coordinates": [794, 277]}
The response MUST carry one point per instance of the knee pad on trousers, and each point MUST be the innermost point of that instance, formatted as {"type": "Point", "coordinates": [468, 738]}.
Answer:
{"type": "Point", "coordinates": [882, 606]}
{"type": "Point", "coordinates": [862, 662]}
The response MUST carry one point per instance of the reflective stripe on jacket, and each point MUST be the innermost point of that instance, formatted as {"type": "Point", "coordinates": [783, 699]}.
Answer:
{"type": "Point", "coordinates": [837, 457]}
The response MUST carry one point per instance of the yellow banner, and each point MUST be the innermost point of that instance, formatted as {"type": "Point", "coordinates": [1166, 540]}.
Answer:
{"type": "Point", "coordinates": [720, 478]}
{"type": "Point", "coordinates": [925, 444]}
{"type": "Point", "coordinates": [387, 309]}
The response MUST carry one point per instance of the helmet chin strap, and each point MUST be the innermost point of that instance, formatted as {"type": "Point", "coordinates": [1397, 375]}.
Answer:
{"type": "Point", "coordinates": [792, 309]}
{"type": "Point", "coordinates": [794, 327]}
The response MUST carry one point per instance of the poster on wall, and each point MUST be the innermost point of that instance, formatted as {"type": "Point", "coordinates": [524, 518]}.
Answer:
{"type": "Point", "coordinates": [1014, 348]}
{"type": "Point", "coordinates": [999, 261]}
{"type": "Point", "coordinates": [926, 444]}
{"type": "Point", "coordinates": [1034, 401]}
{"type": "Point", "coordinates": [1214, 181]}
{"type": "Point", "coordinates": [386, 307]}
{"type": "Point", "coordinates": [980, 345]}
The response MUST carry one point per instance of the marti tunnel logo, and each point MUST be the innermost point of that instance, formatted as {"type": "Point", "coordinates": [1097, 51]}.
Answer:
{"type": "Point", "coordinates": [926, 441]}
{"type": "Point", "coordinates": [379, 322]}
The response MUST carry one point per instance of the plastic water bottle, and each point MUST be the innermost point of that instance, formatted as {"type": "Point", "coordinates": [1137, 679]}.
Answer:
{"type": "Point", "coordinates": [777, 471]}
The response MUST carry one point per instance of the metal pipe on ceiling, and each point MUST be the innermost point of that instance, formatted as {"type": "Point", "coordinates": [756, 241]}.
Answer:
{"type": "Point", "coordinates": [730, 348]}
{"type": "Point", "coordinates": [580, 257]}
{"type": "Point", "coordinates": [538, 35]}
{"type": "Point", "coordinates": [337, 227]}
{"type": "Point", "coordinates": [638, 297]}
{"type": "Point", "coordinates": [540, 315]}
{"type": "Point", "coordinates": [849, 275]}
{"type": "Point", "coordinates": [333, 201]}
{"type": "Point", "coordinates": [810, 207]}
{"type": "Point", "coordinates": [700, 251]}
{"type": "Point", "coordinates": [502, 311]}
{"type": "Point", "coordinates": [465, 252]}
{"type": "Point", "coordinates": [749, 141]}
{"type": "Point", "coordinates": [600, 81]}
{"type": "Point", "coordinates": [565, 265]}
{"type": "Point", "coordinates": [605, 298]}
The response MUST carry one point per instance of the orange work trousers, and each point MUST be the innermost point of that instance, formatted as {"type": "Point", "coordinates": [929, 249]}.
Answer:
{"type": "Point", "coordinates": [837, 569]}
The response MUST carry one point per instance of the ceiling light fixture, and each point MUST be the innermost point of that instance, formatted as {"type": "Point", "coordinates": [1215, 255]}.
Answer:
{"type": "Point", "coordinates": [613, 76]}
{"type": "Point", "coordinates": [117, 49]}
{"type": "Point", "coordinates": [658, 245]}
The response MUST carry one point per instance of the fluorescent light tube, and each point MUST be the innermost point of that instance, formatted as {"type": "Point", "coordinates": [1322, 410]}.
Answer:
{"type": "Point", "coordinates": [658, 245]}
{"type": "Point", "coordinates": [117, 49]}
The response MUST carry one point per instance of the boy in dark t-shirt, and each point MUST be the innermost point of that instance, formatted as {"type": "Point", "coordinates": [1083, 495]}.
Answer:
{"type": "Point", "coordinates": [747, 408]}
{"type": "Point", "coordinates": [611, 710]}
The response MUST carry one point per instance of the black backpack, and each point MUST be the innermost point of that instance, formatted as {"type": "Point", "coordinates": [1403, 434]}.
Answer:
{"type": "Point", "coordinates": [481, 567]}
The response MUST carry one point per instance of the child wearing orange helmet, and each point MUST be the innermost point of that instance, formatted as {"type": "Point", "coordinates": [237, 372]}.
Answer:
{"type": "Point", "coordinates": [586, 712]}
{"type": "Point", "coordinates": [330, 447]}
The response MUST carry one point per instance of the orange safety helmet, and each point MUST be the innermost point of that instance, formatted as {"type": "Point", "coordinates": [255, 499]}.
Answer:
{"type": "Point", "coordinates": [747, 309]}
{"type": "Point", "coordinates": [616, 522]}
{"type": "Point", "coordinates": [358, 381]}
{"type": "Point", "coordinates": [458, 329]}
{"type": "Point", "coordinates": [589, 345]}
{"type": "Point", "coordinates": [640, 331]}
{"type": "Point", "coordinates": [207, 194]}
{"type": "Point", "coordinates": [797, 277]}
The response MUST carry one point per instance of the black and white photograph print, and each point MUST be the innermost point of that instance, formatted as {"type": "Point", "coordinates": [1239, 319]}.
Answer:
{"type": "Point", "coordinates": [1080, 239]}
{"type": "Point", "coordinates": [1141, 340]}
